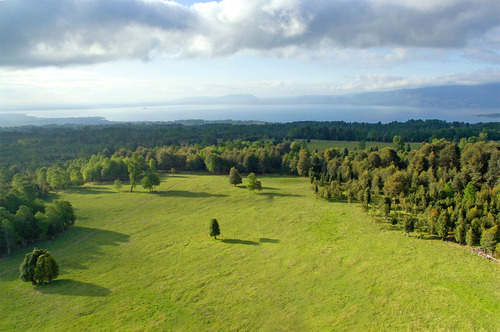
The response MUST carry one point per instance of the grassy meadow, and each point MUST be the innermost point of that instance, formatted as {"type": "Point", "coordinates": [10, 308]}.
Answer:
{"type": "Point", "coordinates": [284, 261]}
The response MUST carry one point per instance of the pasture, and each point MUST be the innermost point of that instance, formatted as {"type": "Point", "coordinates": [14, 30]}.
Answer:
{"type": "Point", "coordinates": [284, 261]}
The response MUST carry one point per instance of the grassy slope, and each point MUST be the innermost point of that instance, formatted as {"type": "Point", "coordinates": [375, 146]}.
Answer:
{"type": "Point", "coordinates": [284, 261]}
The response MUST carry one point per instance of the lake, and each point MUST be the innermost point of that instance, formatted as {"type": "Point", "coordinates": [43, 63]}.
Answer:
{"type": "Point", "coordinates": [271, 113]}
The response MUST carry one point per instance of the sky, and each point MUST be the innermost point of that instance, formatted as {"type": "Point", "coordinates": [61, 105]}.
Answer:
{"type": "Point", "coordinates": [133, 51]}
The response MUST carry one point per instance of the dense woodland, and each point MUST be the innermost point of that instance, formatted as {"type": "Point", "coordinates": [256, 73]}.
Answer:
{"type": "Point", "coordinates": [33, 147]}
{"type": "Point", "coordinates": [447, 189]}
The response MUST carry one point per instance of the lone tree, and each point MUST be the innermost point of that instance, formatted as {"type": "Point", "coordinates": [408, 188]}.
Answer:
{"type": "Point", "coordinates": [214, 228]}
{"type": "Point", "coordinates": [39, 267]}
{"type": "Point", "coordinates": [253, 183]}
{"type": "Point", "coordinates": [150, 181]}
{"type": "Point", "coordinates": [234, 176]}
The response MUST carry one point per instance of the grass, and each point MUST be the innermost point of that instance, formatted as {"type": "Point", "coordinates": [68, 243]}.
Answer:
{"type": "Point", "coordinates": [322, 145]}
{"type": "Point", "coordinates": [284, 261]}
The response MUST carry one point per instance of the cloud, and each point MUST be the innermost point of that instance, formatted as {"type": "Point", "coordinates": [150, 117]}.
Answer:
{"type": "Point", "coordinates": [67, 32]}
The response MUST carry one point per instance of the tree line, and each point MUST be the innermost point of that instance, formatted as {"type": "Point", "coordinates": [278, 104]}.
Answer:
{"type": "Point", "coordinates": [444, 189]}
{"type": "Point", "coordinates": [32, 147]}
{"type": "Point", "coordinates": [25, 217]}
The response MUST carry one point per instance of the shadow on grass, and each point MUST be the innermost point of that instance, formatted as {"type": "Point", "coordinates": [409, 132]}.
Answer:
{"type": "Point", "coordinates": [73, 288]}
{"type": "Point", "coordinates": [86, 245]}
{"type": "Point", "coordinates": [190, 194]}
{"type": "Point", "coordinates": [238, 241]}
{"type": "Point", "coordinates": [94, 190]}
{"type": "Point", "coordinates": [267, 240]}
{"type": "Point", "coordinates": [279, 195]}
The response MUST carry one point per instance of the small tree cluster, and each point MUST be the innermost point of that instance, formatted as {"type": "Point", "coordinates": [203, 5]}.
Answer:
{"type": "Point", "coordinates": [39, 267]}
{"type": "Point", "coordinates": [253, 183]}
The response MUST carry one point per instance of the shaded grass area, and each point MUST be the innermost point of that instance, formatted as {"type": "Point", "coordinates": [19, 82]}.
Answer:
{"type": "Point", "coordinates": [284, 261]}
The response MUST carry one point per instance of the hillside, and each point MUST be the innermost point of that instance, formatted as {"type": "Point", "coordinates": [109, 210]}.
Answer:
{"type": "Point", "coordinates": [284, 261]}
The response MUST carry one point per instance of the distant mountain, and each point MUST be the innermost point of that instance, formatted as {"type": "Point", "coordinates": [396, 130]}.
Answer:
{"type": "Point", "coordinates": [451, 96]}
{"type": "Point", "coordinates": [18, 120]}
{"type": "Point", "coordinates": [485, 96]}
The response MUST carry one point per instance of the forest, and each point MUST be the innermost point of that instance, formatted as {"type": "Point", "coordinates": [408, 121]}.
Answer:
{"type": "Point", "coordinates": [33, 147]}
{"type": "Point", "coordinates": [448, 189]}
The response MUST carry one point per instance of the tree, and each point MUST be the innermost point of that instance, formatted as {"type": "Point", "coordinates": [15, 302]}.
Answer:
{"type": "Point", "coordinates": [443, 225]}
{"type": "Point", "coordinates": [31, 270]}
{"type": "Point", "coordinates": [9, 233]}
{"type": "Point", "coordinates": [150, 180]}
{"type": "Point", "coordinates": [399, 143]}
{"type": "Point", "coordinates": [489, 239]}
{"type": "Point", "coordinates": [118, 185]}
{"type": "Point", "coordinates": [409, 224]}
{"type": "Point", "coordinates": [135, 165]}
{"type": "Point", "coordinates": [303, 164]}
{"type": "Point", "coordinates": [234, 176]}
{"type": "Point", "coordinates": [46, 269]}
{"type": "Point", "coordinates": [460, 233]}
{"type": "Point", "coordinates": [367, 196]}
{"type": "Point", "coordinates": [252, 182]}
{"type": "Point", "coordinates": [396, 184]}
{"type": "Point", "coordinates": [214, 228]}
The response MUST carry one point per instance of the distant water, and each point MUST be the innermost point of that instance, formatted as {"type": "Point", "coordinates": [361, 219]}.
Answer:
{"type": "Point", "coordinates": [272, 113]}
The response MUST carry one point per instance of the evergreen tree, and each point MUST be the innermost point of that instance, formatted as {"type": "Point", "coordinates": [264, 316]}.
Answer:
{"type": "Point", "coordinates": [409, 225]}
{"type": "Point", "coordinates": [46, 269]}
{"type": "Point", "coordinates": [31, 270]}
{"type": "Point", "coordinates": [489, 238]}
{"type": "Point", "coordinates": [234, 177]}
{"type": "Point", "coordinates": [214, 228]}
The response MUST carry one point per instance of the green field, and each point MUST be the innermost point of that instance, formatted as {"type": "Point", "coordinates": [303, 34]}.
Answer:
{"type": "Point", "coordinates": [322, 145]}
{"type": "Point", "coordinates": [285, 261]}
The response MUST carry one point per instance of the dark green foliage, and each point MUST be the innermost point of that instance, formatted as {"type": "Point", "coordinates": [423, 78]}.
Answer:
{"type": "Point", "coordinates": [490, 238]}
{"type": "Point", "coordinates": [234, 177]}
{"type": "Point", "coordinates": [443, 225]}
{"type": "Point", "coordinates": [460, 233]}
{"type": "Point", "coordinates": [214, 228]}
{"type": "Point", "coordinates": [46, 269]}
{"type": "Point", "coordinates": [409, 224]}
{"type": "Point", "coordinates": [38, 267]}
{"type": "Point", "coordinates": [367, 196]}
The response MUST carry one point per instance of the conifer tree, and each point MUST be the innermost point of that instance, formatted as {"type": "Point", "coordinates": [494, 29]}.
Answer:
{"type": "Point", "coordinates": [214, 228]}
{"type": "Point", "coordinates": [234, 177]}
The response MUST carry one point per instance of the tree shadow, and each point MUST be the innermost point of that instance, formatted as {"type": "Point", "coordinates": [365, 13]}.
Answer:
{"type": "Point", "coordinates": [280, 195]}
{"type": "Point", "coordinates": [267, 240]}
{"type": "Point", "coordinates": [93, 190]}
{"type": "Point", "coordinates": [73, 288]}
{"type": "Point", "coordinates": [86, 246]}
{"type": "Point", "coordinates": [189, 194]}
{"type": "Point", "coordinates": [238, 241]}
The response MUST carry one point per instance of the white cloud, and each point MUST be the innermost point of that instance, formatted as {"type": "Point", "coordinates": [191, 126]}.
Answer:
{"type": "Point", "coordinates": [67, 32]}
